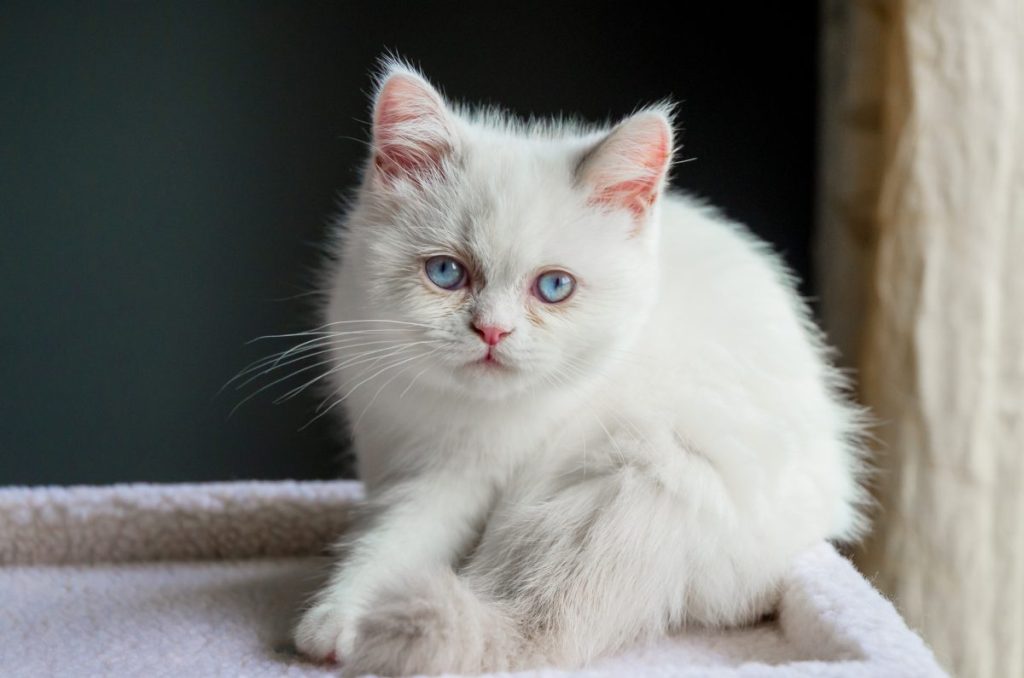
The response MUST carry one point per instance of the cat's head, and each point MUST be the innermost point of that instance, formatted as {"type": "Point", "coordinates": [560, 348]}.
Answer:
{"type": "Point", "coordinates": [520, 255]}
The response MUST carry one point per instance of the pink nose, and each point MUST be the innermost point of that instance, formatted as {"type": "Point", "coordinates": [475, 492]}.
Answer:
{"type": "Point", "coordinates": [491, 334]}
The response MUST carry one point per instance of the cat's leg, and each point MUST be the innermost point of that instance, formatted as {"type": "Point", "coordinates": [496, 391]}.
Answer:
{"type": "Point", "coordinates": [423, 523]}
{"type": "Point", "coordinates": [431, 623]}
{"type": "Point", "coordinates": [597, 564]}
{"type": "Point", "coordinates": [621, 554]}
{"type": "Point", "coordinates": [559, 578]}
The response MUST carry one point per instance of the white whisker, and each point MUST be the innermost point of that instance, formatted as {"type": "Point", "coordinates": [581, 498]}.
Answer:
{"type": "Point", "coordinates": [353, 389]}
{"type": "Point", "coordinates": [385, 384]}
{"type": "Point", "coordinates": [366, 356]}
{"type": "Point", "coordinates": [418, 375]}
{"type": "Point", "coordinates": [313, 351]}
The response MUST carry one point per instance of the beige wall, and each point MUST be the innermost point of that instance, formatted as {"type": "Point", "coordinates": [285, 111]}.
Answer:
{"type": "Point", "coordinates": [922, 275]}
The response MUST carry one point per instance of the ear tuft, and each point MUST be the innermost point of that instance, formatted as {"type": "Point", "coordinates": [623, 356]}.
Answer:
{"type": "Point", "coordinates": [413, 131]}
{"type": "Point", "coordinates": [627, 169]}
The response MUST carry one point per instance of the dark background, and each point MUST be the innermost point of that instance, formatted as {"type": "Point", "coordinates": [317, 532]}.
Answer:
{"type": "Point", "coordinates": [167, 169]}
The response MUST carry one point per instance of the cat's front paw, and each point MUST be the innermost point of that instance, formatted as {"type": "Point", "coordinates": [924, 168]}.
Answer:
{"type": "Point", "coordinates": [430, 626]}
{"type": "Point", "coordinates": [404, 638]}
{"type": "Point", "coordinates": [321, 634]}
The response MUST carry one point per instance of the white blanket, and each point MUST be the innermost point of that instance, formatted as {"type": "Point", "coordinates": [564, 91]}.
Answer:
{"type": "Point", "coordinates": [205, 580]}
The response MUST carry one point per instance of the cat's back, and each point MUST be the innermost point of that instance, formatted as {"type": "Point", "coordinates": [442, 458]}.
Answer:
{"type": "Point", "coordinates": [731, 362]}
{"type": "Point", "coordinates": [730, 348]}
{"type": "Point", "coordinates": [705, 257]}
{"type": "Point", "coordinates": [726, 299]}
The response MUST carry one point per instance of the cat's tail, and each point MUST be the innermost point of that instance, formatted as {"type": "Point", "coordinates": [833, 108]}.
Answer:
{"type": "Point", "coordinates": [436, 623]}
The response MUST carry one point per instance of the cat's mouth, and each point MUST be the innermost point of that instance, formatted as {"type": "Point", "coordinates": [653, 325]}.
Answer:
{"type": "Point", "coordinates": [490, 362]}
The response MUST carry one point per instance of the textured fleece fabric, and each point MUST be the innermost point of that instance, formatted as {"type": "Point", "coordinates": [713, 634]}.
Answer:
{"type": "Point", "coordinates": [206, 580]}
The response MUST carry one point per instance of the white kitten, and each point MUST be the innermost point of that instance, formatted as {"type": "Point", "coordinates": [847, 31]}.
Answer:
{"type": "Point", "coordinates": [586, 411]}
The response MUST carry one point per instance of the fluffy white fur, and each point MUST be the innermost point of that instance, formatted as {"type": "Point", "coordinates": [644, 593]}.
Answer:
{"type": "Point", "coordinates": [653, 452]}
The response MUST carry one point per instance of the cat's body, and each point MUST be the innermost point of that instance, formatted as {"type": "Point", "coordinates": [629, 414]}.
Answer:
{"type": "Point", "coordinates": [649, 452]}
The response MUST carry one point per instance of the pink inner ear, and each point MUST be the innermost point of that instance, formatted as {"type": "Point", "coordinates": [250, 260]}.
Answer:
{"type": "Point", "coordinates": [629, 167]}
{"type": "Point", "coordinates": [411, 137]}
{"type": "Point", "coordinates": [636, 195]}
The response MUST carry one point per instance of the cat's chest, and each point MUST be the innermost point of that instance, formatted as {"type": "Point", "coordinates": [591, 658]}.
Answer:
{"type": "Point", "coordinates": [450, 436]}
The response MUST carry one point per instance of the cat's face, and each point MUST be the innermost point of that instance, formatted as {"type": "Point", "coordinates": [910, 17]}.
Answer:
{"type": "Point", "coordinates": [520, 261]}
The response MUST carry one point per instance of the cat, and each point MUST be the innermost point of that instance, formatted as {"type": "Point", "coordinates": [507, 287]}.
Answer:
{"type": "Point", "coordinates": [587, 410]}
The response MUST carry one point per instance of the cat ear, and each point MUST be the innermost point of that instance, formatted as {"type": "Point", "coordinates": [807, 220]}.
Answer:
{"type": "Point", "coordinates": [413, 131]}
{"type": "Point", "coordinates": [627, 169]}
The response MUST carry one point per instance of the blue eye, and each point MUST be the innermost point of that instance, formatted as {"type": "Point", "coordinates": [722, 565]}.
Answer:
{"type": "Point", "coordinates": [554, 286]}
{"type": "Point", "coordinates": [446, 272]}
